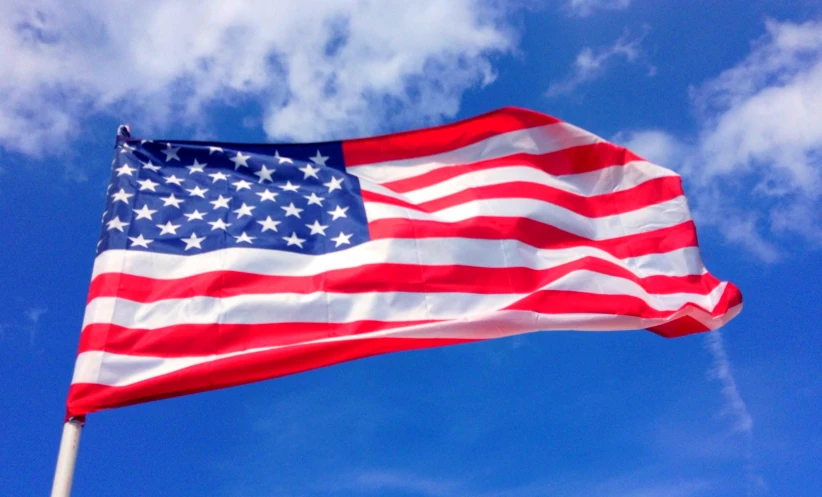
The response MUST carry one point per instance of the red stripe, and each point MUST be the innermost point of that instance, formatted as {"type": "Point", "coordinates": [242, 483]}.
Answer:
{"type": "Point", "coordinates": [685, 325]}
{"type": "Point", "coordinates": [439, 139]}
{"type": "Point", "coordinates": [85, 397]}
{"type": "Point", "coordinates": [649, 193]}
{"type": "Point", "coordinates": [567, 301]}
{"type": "Point", "coordinates": [386, 277]}
{"type": "Point", "coordinates": [573, 160]}
{"type": "Point", "coordinates": [537, 234]}
{"type": "Point", "coordinates": [219, 338]}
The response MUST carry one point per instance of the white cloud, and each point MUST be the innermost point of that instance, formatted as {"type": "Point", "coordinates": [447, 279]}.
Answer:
{"type": "Point", "coordinates": [755, 166]}
{"type": "Point", "coordinates": [584, 8]}
{"type": "Point", "coordinates": [766, 110]}
{"type": "Point", "coordinates": [591, 64]}
{"type": "Point", "coordinates": [656, 146]}
{"type": "Point", "coordinates": [318, 68]}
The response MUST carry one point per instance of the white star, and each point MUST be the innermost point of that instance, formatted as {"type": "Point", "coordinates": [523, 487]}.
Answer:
{"type": "Point", "coordinates": [151, 167]}
{"type": "Point", "coordinates": [125, 169]}
{"type": "Point", "coordinates": [195, 215]}
{"type": "Point", "coordinates": [240, 160]}
{"type": "Point", "coordinates": [338, 213]}
{"type": "Point", "coordinates": [239, 185]}
{"type": "Point", "coordinates": [219, 225]}
{"type": "Point", "coordinates": [289, 187]}
{"type": "Point", "coordinates": [290, 210]}
{"type": "Point", "coordinates": [171, 152]}
{"type": "Point", "coordinates": [196, 167]}
{"type": "Point", "coordinates": [268, 224]}
{"type": "Point", "coordinates": [218, 176]}
{"type": "Point", "coordinates": [174, 179]}
{"type": "Point", "coordinates": [342, 239]}
{"type": "Point", "coordinates": [211, 150]}
{"type": "Point", "coordinates": [144, 213]}
{"type": "Point", "coordinates": [245, 238]}
{"type": "Point", "coordinates": [245, 210]}
{"type": "Point", "coordinates": [264, 174]}
{"type": "Point", "coordinates": [334, 184]}
{"type": "Point", "coordinates": [147, 184]}
{"type": "Point", "coordinates": [309, 170]}
{"type": "Point", "coordinates": [139, 241]}
{"type": "Point", "coordinates": [317, 228]}
{"type": "Point", "coordinates": [319, 159]}
{"type": "Point", "coordinates": [294, 240]}
{"type": "Point", "coordinates": [282, 159]}
{"type": "Point", "coordinates": [127, 148]}
{"type": "Point", "coordinates": [197, 192]}
{"type": "Point", "coordinates": [116, 224]}
{"type": "Point", "coordinates": [168, 228]}
{"type": "Point", "coordinates": [314, 199]}
{"type": "Point", "coordinates": [122, 196]}
{"type": "Point", "coordinates": [220, 202]}
{"type": "Point", "coordinates": [194, 241]}
{"type": "Point", "coordinates": [267, 195]}
{"type": "Point", "coordinates": [171, 200]}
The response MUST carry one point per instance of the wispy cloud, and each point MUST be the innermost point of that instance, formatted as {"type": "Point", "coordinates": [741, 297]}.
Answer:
{"type": "Point", "coordinates": [316, 68]}
{"type": "Point", "coordinates": [33, 316]}
{"type": "Point", "coordinates": [583, 8]}
{"type": "Point", "coordinates": [755, 165]}
{"type": "Point", "coordinates": [28, 324]}
{"type": "Point", "coordinates": [631, 485]}
{"type": "Point", "coordinates": [591, 64]}
{"type": "Point", "coordinates": [390, 482]}
{"type": "Point", "coordinates": [734, 407]}
{"type": "Point", "coordinates": [721, 371]}
{"type": "Point", "coordinates": [639, 484]}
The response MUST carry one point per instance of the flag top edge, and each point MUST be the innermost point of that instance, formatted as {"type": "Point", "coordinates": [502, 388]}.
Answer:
{"type": "Point", "coordinates": [511, 111]}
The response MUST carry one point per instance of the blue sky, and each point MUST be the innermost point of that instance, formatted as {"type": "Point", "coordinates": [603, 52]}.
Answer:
{"type": "Point", "coordinates": [727, 93]}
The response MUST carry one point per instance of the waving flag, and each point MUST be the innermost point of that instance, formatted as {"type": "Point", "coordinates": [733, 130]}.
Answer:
{"type": "Point", "coordinates": [222, 264]}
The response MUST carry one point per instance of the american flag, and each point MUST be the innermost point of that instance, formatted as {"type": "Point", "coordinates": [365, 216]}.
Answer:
{"type": "Point", "coordinates": [222, 264]}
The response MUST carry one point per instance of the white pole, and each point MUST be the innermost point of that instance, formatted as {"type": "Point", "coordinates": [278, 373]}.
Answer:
{"type": "Point", "coordinates": [64, 473]}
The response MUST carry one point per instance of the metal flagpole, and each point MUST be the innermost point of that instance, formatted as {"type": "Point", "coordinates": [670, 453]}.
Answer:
{"type": "Point", "coordinates": [64, 473]}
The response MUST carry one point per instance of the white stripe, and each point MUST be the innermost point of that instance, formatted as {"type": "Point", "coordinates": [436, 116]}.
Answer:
{"type": "Point", "coordinates": [330, 307]}
{"type": "Point", "coordinates": [538, 140]}
{"type": "Point", "coordinates": [105, 368]}
{"type": "Point", "coordinates": [662, 215]}
{"type": "Point", "coordinates": [426, 251]}
{"type": "Point", "coordinates": [607, 180]}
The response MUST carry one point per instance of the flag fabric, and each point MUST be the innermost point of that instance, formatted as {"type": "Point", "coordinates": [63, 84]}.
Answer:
{"type": "Point", "coordinates": [222, 264]}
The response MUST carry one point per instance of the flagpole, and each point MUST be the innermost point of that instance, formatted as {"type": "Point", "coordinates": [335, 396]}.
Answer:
{"type": "Point", "coordinates": [64, 473]}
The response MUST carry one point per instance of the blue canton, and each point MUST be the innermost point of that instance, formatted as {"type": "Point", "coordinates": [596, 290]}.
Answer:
{"type": "Point", "coordinates": [186, 198]}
